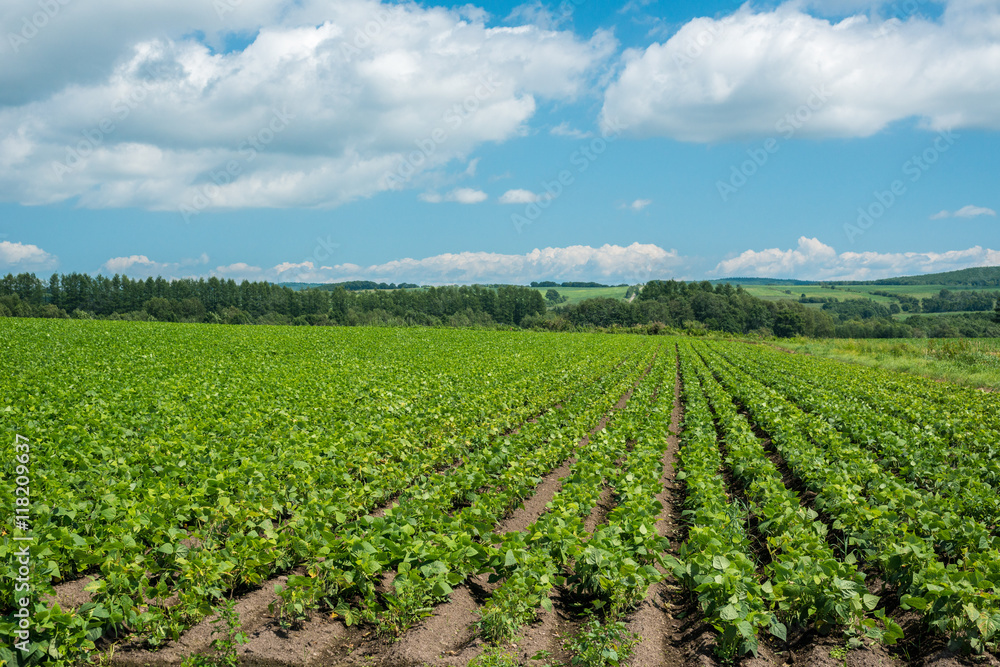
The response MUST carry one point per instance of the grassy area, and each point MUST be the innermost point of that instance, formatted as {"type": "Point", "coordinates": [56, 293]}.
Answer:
{"type": "Point", "coordinates": [777, 292]}
{"type": "Point", "coordinates": [969, 361]}
{"type": "Point", "coordinates": [903, 316]}
{"type": "Point", "coordinates": [917, 291]}
{"type": "Point", "coordinates": [575, 295]}
{"type": "Point", "coordinates": [794, 292]}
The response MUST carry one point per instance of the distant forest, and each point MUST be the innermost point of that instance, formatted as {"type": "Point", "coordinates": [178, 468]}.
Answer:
{"type": "Point", "coordinates": [660, 306]}
{"type": "Point", "coordinates": [228, 302]}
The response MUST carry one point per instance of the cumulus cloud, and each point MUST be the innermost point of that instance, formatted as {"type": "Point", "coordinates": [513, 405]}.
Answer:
{"type": "Point", "coordinates": [638, 204]}
{"type": "Point", "coordinates": [25, 258]}
{"type": "Point", "coordinates": [239, 271]}
{"type": "Point", "coordinates": [814, 260]}
{"type": "Point", "coordinates": [519, 196]}
{"type": "Point", "coordinates": [759, 73]}
{"type": "Point", "coordinates": [329, 102]}
{"type": "Point", "coordinates": [459, 195]}
{"type": "Point", "coordinates": [968, 211]}
{"type": "Point", "coordinates": [609, 263]}
{"type": "Point", "coordinates": [141, 266]}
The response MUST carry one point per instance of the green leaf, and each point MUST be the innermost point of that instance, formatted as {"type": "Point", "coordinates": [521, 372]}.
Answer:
{"type": "Point", "coordinates": [441, 589]}
{"type": "Point", "coordinates": [729, 613]}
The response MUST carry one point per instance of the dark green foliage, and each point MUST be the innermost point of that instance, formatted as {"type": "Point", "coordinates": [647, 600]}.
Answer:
{"type": "Point", "coordinates": [225, 301]}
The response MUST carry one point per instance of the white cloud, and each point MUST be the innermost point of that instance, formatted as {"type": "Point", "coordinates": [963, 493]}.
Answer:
{"type": "Point", "coordinates": [519, 196]}
{"type": "Point", "coordinates": [814, 260]}
{"type": "Point", "coordinates": [638, 204]}
{"type": "Point", "coordinates": [148, 116]}
{"type": "Point", "coordinates": [25, 258]}
{"type": "Point", "coordinates": [459, 195]}
{"type": "Point", "coordinates": [467, 196]}
{"type": "Point", "coordinates": [124, 264]}
{"type": "Point", "coordinates": [971, 211]}
{"type": "Point", "coordinates": [609, 263]}
{"type": "Point", "coordinates": [563, 129]}
{"type": "Point", "coordinates": [141, 266]}
{"type": "Point", "coordinates": [239, 271]}
{"type": "Point", "coordinates": [535, 13]}
{"type": "Point", "coordinates": [968, 211]}
{"type": "Point", "coordinates": [759, 73]}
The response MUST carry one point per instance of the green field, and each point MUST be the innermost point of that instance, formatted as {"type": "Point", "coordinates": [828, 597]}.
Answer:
{"type": "Point", "coordinates": [254, 495]}
{"type": "Point", "coordinates": [575, 295]}
{"type": "Point", "coordinates": [969, 361]}
{"type": "Point", "coordinates": [916, 291]}
{"type": "Point", "coordinates": [779, 292]}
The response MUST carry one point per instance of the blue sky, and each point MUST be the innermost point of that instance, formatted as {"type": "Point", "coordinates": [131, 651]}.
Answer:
{"type": "Point", "coordinates": [499, 141]}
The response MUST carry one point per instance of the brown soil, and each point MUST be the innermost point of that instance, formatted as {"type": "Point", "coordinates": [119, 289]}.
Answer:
{"type": "Point", "coordinates": [253, 612]}
{"type": "Point", "coordinates": [656, 621]}
{"type": "Point", "coordinates": [599, 513]}
{"type": "Point", "coordinates": [70, 594]}
{"type": "Point", "coordinates": [534, 505]}
{"type": "Point", "coordinates": [548, 634]}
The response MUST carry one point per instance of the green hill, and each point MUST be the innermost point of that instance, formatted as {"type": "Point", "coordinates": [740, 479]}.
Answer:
{"type": "Point", "coordinates": [983, 276]}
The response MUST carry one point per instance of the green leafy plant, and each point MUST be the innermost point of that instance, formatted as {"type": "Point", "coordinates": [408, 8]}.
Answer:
{"type": "Point", "coordinates": [495, 656]}
{"type": "Point", "coordinates": [600, 644]}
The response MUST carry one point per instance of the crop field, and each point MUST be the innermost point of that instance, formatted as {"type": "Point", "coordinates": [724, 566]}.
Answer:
{"type": "Point", "coordinates": [197, 494]}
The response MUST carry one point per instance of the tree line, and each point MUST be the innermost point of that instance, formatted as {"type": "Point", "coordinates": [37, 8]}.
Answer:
{"type": "Point", "coordinates": [702, 306]}
{"type": "Point", "coordinates": [218, 300]}
{"type": "Point", "coordinates": [695, 307]}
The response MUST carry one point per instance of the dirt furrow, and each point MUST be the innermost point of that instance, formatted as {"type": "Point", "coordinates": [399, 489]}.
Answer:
{"type": "Point", "coordinates": [655, 620]}
{"type": "Point", "coordinates": [70, 594]}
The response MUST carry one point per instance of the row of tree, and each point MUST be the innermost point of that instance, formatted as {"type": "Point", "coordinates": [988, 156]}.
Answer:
{"type": "Point", "coordinates": [723, 307]}
{"type": "Point", "coordinates": [215, 300]}
{"type": "Point", "coordinates": [692, 306]}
